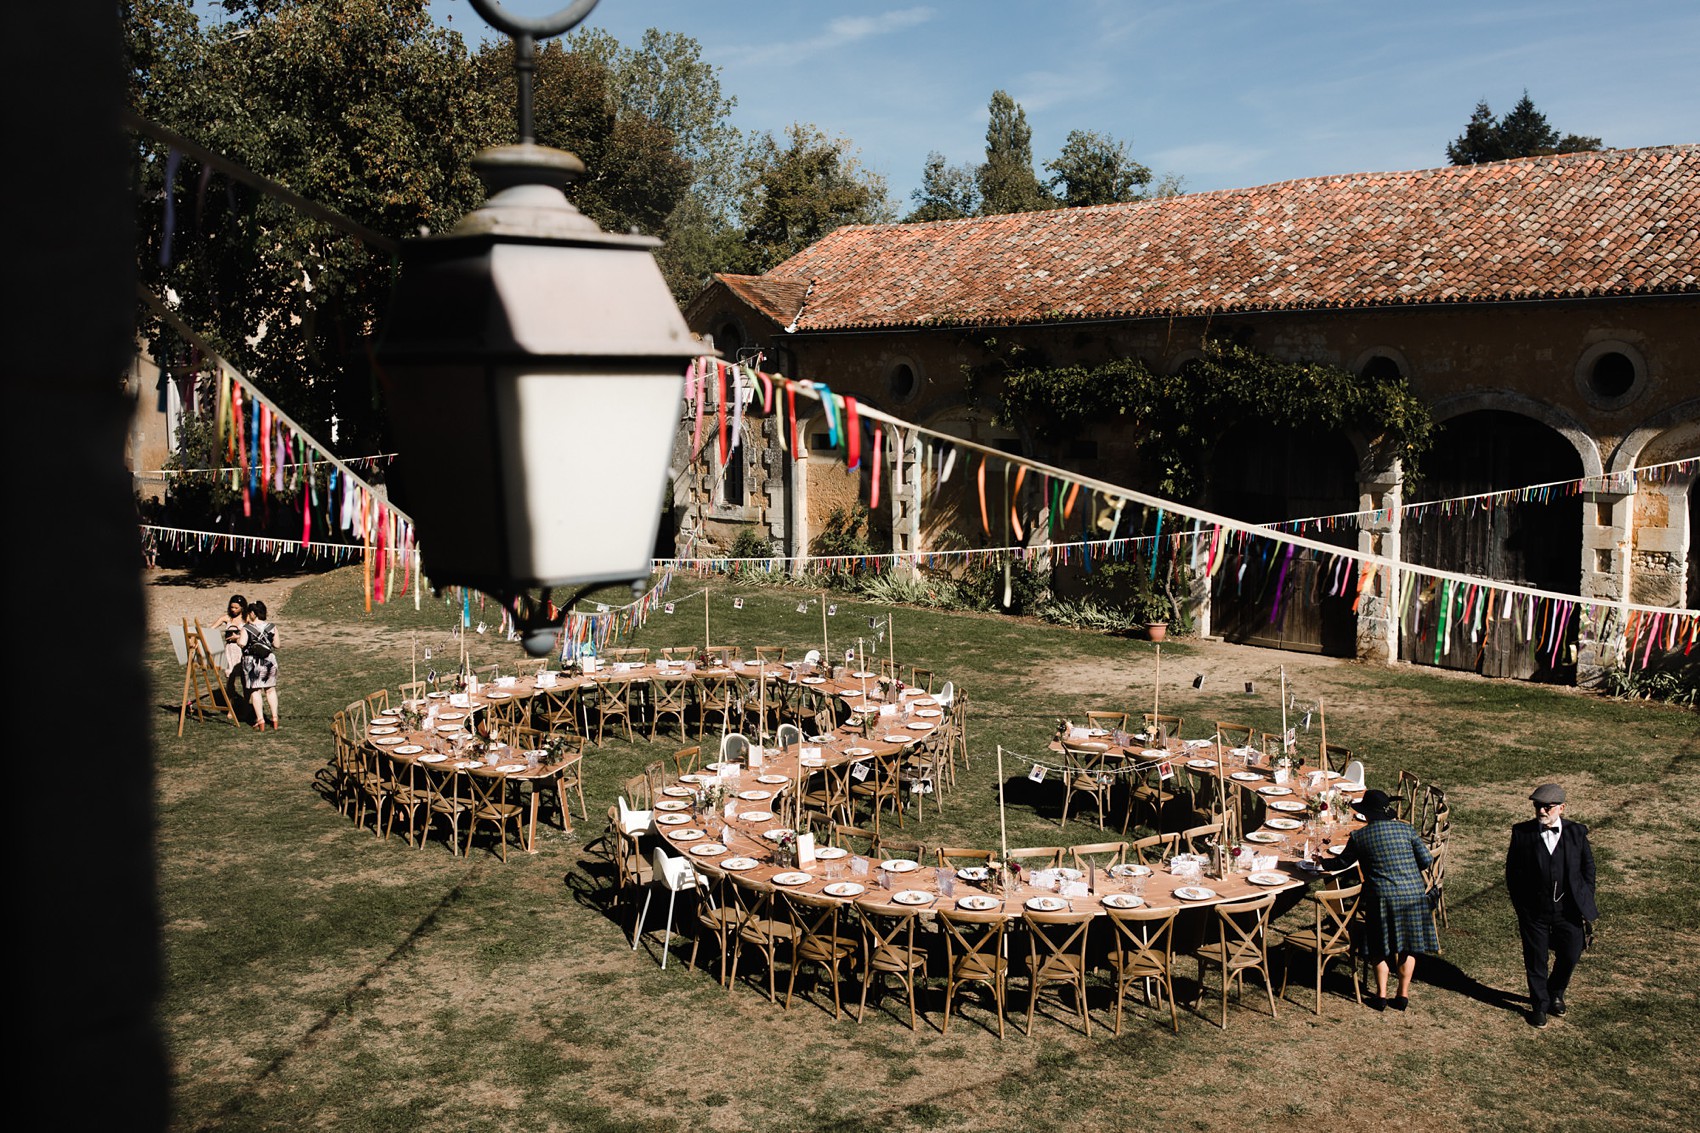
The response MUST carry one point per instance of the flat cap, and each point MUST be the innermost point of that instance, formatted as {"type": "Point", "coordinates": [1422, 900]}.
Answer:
{"type": "Point", "coordinates": [1548, 793]}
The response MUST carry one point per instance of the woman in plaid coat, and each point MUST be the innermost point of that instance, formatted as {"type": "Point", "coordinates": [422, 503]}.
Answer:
{"type": "Point", "coordinates": [1397, 921]}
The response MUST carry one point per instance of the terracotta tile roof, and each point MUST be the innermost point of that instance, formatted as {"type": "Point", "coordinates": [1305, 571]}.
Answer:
{"type": "Point", "coordinates": [1620, 222]}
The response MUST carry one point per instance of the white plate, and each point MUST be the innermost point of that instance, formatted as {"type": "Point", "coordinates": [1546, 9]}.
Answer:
{"type": "Point", "coordinates": [451, 730]}
{"type": "Point", "coordinates": [437, 695]}
{"type": "Point", "coordinates": [409, 749]}
{"type": "Point", "coordinates": [912, 897]}
{"type": "Point", "coordinates": [378, 730]}
{"type": "Point", "coordinates": [918, 726]}
{"type": "Point", "coordinates": [693, 778]}
{"type": "Point", "coordinates": [861, 674]}
{"type": "Point", "coordinates": [757, 815]}
{"type": "Point", "coordinates": [466, 764]}
{"type": "Point", "coordinates": [1262, 837]}
{"type": "Point", "coordinates": [814, 680]}
{"type": "Point", "coordinates": [672, 804]}
{"type": "Point", "coordinates": [928, 712]}
{"type": "Point", "coordinates": [823, 739]}
{"type": "Point", "coordinates": [1267, 877]}
{"type": "Point", "coordinates": [775, 779]}
{"type": "Point", "coordinates": [897, 738]}
{"type": "Point", "coordinates": [791, 878]}
{"type": "Point", "coordinates": [497, 695]}
{"type": "Point", "coordinates": [386, 741]}
{"type": "Point", "coordinates": [1274, 790]}
{"type": "Point", "coordinates": [811, 761]}
{"type": "Point", "coordinates": [1047, 904]}
{"type": "Point", "coordinates": [844, 889]}
{"type": "Point", "coordinates": [1199, 743]}
{"type": "Point", "coordinates": [1068, 873]}
{"type": "Point", "coordinates": [1194, 893]}
{"type": "Point", "coordinates": [1097, 731]}
{"type": "Point", "coordinates": [434, 757]}
{"type": "Point", "coordinates": [977, 902]}
{"type": "Point", "coordinates": [1201, 763]}
{"type": "Point", "coordinates": [972, 873]}
{"type": "Point", "coordinates": [389, 712]}
{"type": "Point", "coordinates": [1337, 848]}
{"type": "Point", "coordinates": [736, 864]}
{"type": "Point", "coordinates": [451, 715]}
{"type": "Point", "coordinates": [1123, 901]}
{"type": "Point", "coordinates": [722, 766]}
{"type": "Point", "coordinates": [1130, 869]}
{"type": "Point", "coordinates": [685, 835]}
{"type": "Point", "coordinates": [858, 751]}
{"type": "Point", "coordinates": [1153, 753]}
{"type": "Point", "coordinates": [775, 834]}
{"type": "Point", "coordinates": [1245, 776]}
{"type": "Point", "coordinates": [677, 792]}
{"type": "Point", "coordinates": [1283, 824]}
{"type": "Point", "coordinates": [827, 853]}
{"type": "Point", "coordinates": [755, 796]}
{"type": "Point", "coordinates": [508, 768]}
{"type": "Point", "coordinates": [914, 692]}
{"type": "Point", "coordinates": [1288, 805]}
{"type": "Point", "coordinates": [899, 865]}
{"type": "Point", "coordinates": [670, 819]}
{"type": "Point", "coordinates": [708, 850]}
{"type": "Point", "coordinates": [1242, 752]}
{"type": "Point", "coordinates": [1349, 788]}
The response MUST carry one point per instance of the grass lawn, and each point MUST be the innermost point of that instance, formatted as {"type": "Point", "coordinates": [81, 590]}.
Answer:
{"type": "Point", "coordinates": [321, 978]}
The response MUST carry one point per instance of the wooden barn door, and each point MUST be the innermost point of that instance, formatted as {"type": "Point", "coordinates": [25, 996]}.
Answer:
{"type": "Point", "coordinates": [1262, 595]}
{"type": "Point", "coordinates": [1536, 544]}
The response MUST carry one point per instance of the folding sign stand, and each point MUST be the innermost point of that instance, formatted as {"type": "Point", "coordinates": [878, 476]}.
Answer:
{"type": "Point", "coordinates": [202, 678]}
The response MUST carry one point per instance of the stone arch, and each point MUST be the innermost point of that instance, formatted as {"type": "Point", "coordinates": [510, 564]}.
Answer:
{"type": "Point", "coordinates": [1508, 401]}
{"type": "Point", "coordinates": [1391, 353]}
{"type": "Point", "coordinates": [1675, 428]}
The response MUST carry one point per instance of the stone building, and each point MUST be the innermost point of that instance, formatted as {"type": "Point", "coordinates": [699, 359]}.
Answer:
{"type": "Point", "coordinates": [1547, 310]}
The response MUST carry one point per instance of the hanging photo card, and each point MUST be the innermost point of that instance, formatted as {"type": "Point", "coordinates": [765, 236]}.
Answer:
{"type": "Point", "coordinates": [832, 610]}
{"type": "Point", "coordinates": [667, 609]}
{"type": "Point", "coordinates": [802, 607]}
{"type": "Point", "coordinates": [737, 603]}
{"type": "Point", "coordinates": [427, 653]}
{"type": "Point", "coordinates": [1165, 770]}
{"type": "Point", "coordinates": [859, 771]}
{"type": "Point", "coordinates": [873, 623]}
{"type": "Point", "coordinates": [1037, 774]}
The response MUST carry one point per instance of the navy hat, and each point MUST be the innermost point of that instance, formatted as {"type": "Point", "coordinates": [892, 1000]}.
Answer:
{"type": "Point", "coordinates": [1547, 793]}
{"type": "Point", "coordinates": [1374, 802]}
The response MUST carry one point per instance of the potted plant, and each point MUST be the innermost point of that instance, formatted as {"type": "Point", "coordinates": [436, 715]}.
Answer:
{"type": "Point", "coordinates": [1152, 608]}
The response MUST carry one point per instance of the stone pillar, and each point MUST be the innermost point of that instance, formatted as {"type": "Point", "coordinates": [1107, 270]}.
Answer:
{"type": "Point", "coordinates": [905, 492]}
{"type": "Point", "coordinates": [1607, 511]}
{"type": "Point", "coordinates": [1381, 491]}
{"type": "Point", "coordinates": [797, 508]}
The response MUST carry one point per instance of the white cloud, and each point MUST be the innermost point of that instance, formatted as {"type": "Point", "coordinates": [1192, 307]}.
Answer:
{"type": "Point", "coordinates": [839, 34]}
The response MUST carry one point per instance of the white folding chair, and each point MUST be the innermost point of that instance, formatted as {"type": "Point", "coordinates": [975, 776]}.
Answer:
{"type": "Point", "coordinates": [1354, 771]}
{"type": "Point", "coordinates": [675, 875]}
{"type": "Point", "coordinates": [786, 735]}
{"type": "Point", "coordinates": [635, 822]}
{"type": "Point", "coordinates": [946, 695]}
{"type": "Point", "coordinates": [734, 748]}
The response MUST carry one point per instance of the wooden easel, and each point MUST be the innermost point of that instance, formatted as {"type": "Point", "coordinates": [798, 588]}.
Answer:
{"type": "Point", "coordinates": [202, 678]}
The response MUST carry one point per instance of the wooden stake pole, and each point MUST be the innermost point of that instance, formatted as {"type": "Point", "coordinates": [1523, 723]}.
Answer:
{"type": "Point", "coordinates": [1157, 687]}
{"type": "Point", "coordinates": [825, 647]}
{"type": "Point", "coordinates": [705, 600]}
{"type": "Point", "coordinates": [1003, 822]}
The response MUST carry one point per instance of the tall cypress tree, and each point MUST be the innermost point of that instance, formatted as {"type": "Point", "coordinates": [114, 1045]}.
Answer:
{"type": "Point", "coordinates": [1006, 181]}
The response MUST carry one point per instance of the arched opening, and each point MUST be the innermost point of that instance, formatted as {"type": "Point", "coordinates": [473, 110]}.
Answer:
{"type": "Point", "coordinates": [1536, 543]}
{"type": "Point", "coordinates": [1262, 595]}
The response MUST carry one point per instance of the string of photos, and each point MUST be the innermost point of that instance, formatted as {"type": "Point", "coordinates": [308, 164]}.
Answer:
{"type": "Point", "coordinates": [1027, 495]}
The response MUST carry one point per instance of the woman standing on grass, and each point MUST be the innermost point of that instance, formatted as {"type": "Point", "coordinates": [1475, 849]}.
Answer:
{"type": "Point", "coordinates": [235, 616]}
{"type": "Point", "coordinates": [259, 662]}
{"type": "Point", "coordinates": [1397, 921]}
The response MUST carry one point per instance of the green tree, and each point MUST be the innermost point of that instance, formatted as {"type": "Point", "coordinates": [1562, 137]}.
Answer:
{"type": "Point", "coordinates": [947, 192]}
{"type": "Point", "coordinates": [797, 192]}
{"type": "Point", "coordinates": [1523, 132]}
{"type": "Point", "coordinates": [1096, 169]}
{"type": "Point", "coordinates": [1006, 179]}
{"type": "Point", "coordinates": [364, 106]}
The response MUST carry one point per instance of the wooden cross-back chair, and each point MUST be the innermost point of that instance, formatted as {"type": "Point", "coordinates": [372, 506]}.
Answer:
{"type": "Point", "coordinates": [772, 654]}
{"type": "Point", "coordinates": [668, 697]}
{"type": "Point", "coordinates": [488, 803]}
{"type": "Point", "coordinates": [1056, 954]}
{"type": "Point", "coordinates": [411, 690]}
{"type": "Point", "coordinates": [889, 949]}
{"type": "Point", "coordinates": [1143, 953]}
{"type": "Point", "coordinates": [1329, 937]}
{"type": "Point", "coordinates": [1108, 720]}
{"type": "Point", "coordinates": [975, 944]}
{"type": "Point", "coordinates": [1168, 727]}
{"type": "Point", "coordinates": [817, 938]}
{"type": "Point", "coordinates": [1241, 946]}
{"type": "Point", "coordinates": [1086, 771]}
{"type": "Point", "coordinates": [1235, 735]}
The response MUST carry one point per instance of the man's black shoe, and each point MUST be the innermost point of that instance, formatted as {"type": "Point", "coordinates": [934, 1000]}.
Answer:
{"type": "Point", "coordinates": [1537, 1019]}
{"type": "Point", "coordinates": [1374, 1002]}
{"type": "Point", "coordinates": [1557, 1007]}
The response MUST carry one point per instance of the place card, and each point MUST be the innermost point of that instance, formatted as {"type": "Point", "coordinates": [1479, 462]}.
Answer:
{"type": "Point", "coordinates": [805, 850]}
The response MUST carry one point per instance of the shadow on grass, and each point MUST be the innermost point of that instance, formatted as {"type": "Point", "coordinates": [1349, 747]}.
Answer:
{"type": "Point", "coordinates": [1447, 976]}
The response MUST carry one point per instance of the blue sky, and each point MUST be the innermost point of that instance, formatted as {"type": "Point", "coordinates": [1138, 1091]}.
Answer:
{"type": "Point", "coordinates": [1225, 93]}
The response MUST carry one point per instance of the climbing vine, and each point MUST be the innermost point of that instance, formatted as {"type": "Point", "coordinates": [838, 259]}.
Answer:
{"type": "Point", "coordinates": [1173, 419]}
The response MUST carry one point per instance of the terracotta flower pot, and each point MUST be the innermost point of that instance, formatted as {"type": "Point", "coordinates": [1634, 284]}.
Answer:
{"type": "Point", "coordinates": [1157, 631]}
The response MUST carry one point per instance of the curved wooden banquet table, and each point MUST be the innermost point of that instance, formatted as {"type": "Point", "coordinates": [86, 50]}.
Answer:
{"type": "Point", "coordinates": [415, 747]}
{"type": "Point", "coordinates": [711, 841]}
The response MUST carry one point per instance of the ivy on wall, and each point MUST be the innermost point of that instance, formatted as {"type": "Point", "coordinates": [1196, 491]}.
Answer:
{"type": "Point", "coordinates": [1174, 419]}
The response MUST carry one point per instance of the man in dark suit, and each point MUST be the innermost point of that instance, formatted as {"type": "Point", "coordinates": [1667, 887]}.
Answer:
{"type": "Point", "coordinates": [1549, 872]}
